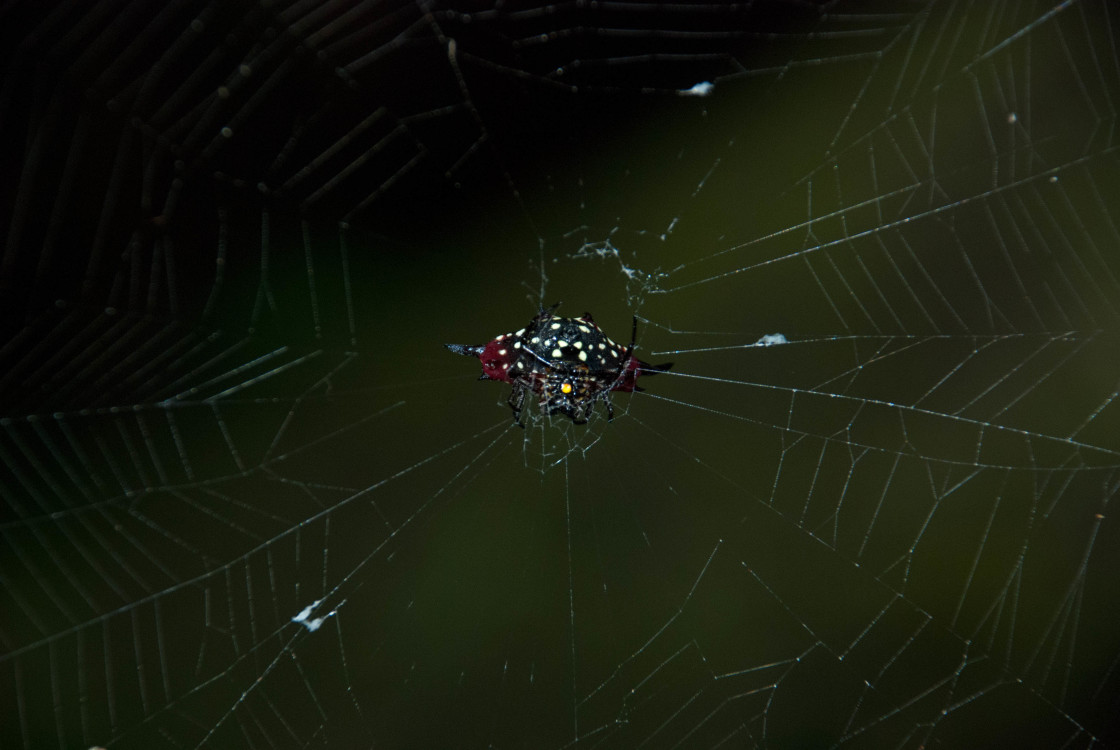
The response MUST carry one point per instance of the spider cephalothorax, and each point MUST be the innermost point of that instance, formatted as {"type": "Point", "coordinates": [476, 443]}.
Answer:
{"type": "Point", "coordinates": [569, 363]}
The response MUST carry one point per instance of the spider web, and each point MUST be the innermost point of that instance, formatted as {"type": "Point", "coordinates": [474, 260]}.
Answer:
{"type": "Point", "coordinates": [250, 501]}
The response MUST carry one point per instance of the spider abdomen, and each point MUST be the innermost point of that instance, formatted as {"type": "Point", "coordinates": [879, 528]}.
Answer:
{"type": "Point", "coordinates": [568, 363]}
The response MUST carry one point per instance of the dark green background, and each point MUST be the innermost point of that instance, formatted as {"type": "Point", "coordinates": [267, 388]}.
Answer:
{"type": "Point", "coordinates": [224, 393]}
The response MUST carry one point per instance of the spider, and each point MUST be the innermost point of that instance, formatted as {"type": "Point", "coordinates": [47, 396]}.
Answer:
{"type": "Point", "coordinates": [569, 363]}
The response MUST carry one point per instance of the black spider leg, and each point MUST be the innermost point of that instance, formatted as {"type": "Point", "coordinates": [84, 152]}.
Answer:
{"type": "Point", "coordinates": [643, 368]}
{"type": "Point", "coordinates": [627, 354]}
{"type": "Point", "coordinates": [622, 372]}
{"type": "Point", "coordinates": [516, 402]}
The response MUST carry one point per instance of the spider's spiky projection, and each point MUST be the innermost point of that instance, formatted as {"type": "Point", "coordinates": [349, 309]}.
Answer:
{"type": "Point", "coordinates": [568, 363]}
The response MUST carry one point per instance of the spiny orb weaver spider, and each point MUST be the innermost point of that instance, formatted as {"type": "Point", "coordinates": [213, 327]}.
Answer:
{"type": "Point", "coordinates": [569, 363]}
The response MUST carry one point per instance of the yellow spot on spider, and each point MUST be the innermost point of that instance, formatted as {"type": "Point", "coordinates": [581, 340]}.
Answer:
{"type": "Point", "coordinates": [502, 352]}
{"type": "Point", "coordinates": [566, 387]}
{"type": "Point", "coordinates": [585, 329]}
{"type": "Point", "coordinates": [562, 343]}
{"type": "Point", "coordinates": [583, 356]}
{"type": "Point", "coordinates": [557, 354]}
{"type": "Point", "coordinates": [578, 345]}
{"type": "Point", "coordinates": [555, 326]}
